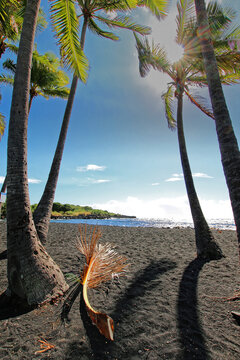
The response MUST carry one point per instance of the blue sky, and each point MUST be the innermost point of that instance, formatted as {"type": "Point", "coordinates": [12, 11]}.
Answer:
{"type": "Point", "coordinates": [120, 154]}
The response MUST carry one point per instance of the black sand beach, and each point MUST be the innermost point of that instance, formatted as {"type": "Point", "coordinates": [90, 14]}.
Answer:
{"type": "Point", "coordinates": [168, 306]}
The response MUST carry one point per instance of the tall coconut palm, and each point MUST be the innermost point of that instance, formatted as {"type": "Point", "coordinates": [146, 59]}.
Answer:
{"type": "Point", "coordinates": [230, 155]}
{"type": "Point", "coordinates": [91, 13]}
{"type": "Point", "coordinates": [184, 73]}
{"type": "Point", "coordinates": [32, 274]}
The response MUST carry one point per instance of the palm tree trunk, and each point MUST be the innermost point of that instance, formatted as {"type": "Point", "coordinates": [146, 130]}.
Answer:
{"type": "Point", "coordinates": [30, 102]}
{"type": "Point", "coordinates": [229, 149]}
{"type": "Point", "coordinates": [206, 247]}
{"type": "Point", "coordinates": [32, 274]}
{"type": "Point", "coordinates": [42, 214]}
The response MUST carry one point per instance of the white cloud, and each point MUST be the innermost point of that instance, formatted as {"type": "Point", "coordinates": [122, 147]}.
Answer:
{"type": "Point", "coordinates": [202, 175]}
{"type": "Point", "coordinates": [179, 177]}
{"type": "Point", "coordinates": [100, 181]}
{"type": "Point", "coordinates": [176, 208]}
{"type": "Point", "coordinates": [90, 167]}
{"type": "Point", "coordinates": [174, 179]}
{"type": "Point", "coordinates": [34, 181]}
{"type": "Point", "coordinates": [31, 181]}
{"type": "Point", "coordinates": [155, 184]}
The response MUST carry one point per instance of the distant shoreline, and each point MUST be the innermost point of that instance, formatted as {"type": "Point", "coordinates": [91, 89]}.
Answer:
{"type": "Point", "coordinates": [89, 216]}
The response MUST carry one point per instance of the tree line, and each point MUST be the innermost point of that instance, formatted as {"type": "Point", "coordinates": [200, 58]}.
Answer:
{"type": "Point", "coordinates": [208, 60]}
{"type": "Point", "coordinates": [70, 210]}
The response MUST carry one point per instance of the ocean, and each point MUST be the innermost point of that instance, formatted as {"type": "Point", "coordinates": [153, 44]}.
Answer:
{"type": "Point", "coordinates": [221, 224]}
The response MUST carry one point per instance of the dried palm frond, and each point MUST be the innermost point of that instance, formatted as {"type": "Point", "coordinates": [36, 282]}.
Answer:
{"type": "Point", "coordinates": [102, 263]}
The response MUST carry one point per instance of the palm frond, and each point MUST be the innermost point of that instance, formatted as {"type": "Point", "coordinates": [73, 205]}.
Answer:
{"type": "Point", "coordinates": [10, 66]}
{"type": "Point", "coordinates": [8, 18]}
{"type": "Point", "coordinates": [97, 30]}
{"type": "Point", "coordinates": [112, 5]}
{"type": "Point", "coordinates": [157, 7]}
{"type": "Point", "coordinates": [184, 18]}
{"type": "Point", "coordinates": [124, 22]}
{"type": "Point", "coordinates": [151, 56]}
{"type": "Point", "coordinates": [56, 91]}
{"type": "Point", "coordinates": [2, 125]}
{"type": "Point", "coordinates": [230, 78]}
{"type": "Point", "coordinates": [7, 79]}
{"type": "Point", "coordinates": [65, 25]}
{"type": "Point", "coordinates": [13, 48]}
{"type": "Point", "coordinates": [168, 97]}
{"type": "Point", "coordinates": [220, 18]}
{"type": "Point", "coordinates": [102, 261]}
{"type": "Point", "coordinates": [200, 102]}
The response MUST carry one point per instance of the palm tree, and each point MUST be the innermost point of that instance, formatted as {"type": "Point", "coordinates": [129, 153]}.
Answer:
{"type": "Point", "coordinates": [92, 13]}
{"type": "Point", "coordinates": [184, 73]}
{"type": "Point", "coordinates": [46, 77]}
{"type": "Point", "coordinates": [230, 155]}
{"type": "Point", "coordinates": [32, 274]}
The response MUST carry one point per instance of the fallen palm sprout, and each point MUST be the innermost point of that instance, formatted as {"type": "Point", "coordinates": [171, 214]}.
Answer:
{"type": "Point", "coordinates": [102, 264]}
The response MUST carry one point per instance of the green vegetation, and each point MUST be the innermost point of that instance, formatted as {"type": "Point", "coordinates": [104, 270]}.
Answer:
{"type": "Point", "coordinates": [70, 210]}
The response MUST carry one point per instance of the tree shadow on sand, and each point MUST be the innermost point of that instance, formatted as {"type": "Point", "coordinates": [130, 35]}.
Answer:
{"type": "Point", "coordinates": [3, 255]}
{"type": "Point", "coordinates": [191, 333]}
{"type": "Point", "coordinates": [12, 306]}
{"type": "Point", "coordinates": [143, 281]}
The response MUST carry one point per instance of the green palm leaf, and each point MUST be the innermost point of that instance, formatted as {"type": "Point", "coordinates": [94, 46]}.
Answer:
{"type": "Point", "coordinates": [168, 97]}
{"type": "Point", "coordinates": [7, 79]}
{"type": "Point", "coordinates": [65, 24]}
{"type": "Point", "coordinates": [151, 56]}
{"type": "Point", "coordinates": [157, 7]}
{"type": "Point", "coordinates": [56, 91]}
{"type": "Point", "coordinates": [2, 125]}
{"type": "Point", "coordinates": [184, 19]}
{"type": "Point", "coordinates": [97, 30]}
{"type": "Point", "coordinates": [125, 23]}
{"type": "Point", "coordinates": [111, 5]}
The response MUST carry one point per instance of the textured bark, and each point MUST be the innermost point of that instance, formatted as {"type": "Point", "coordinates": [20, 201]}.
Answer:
{"type": "Point", "coordinates": [206, 246]}
{"type": "Point", "coordinates": [229, 149]}
{"type": "Point", "coordinates": [42, 214]}
{"type": "Point", "coordinates": [32, 274]}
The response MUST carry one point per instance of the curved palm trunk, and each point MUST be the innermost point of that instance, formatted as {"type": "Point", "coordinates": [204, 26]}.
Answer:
{"type": "Point", "coordinates": [229, 149]}
{"type": "Point", "coordinates": [206, 246]}
{"type": "Point", "coordinates": [32, 274]}
{"type": "Point", "coordinates": [42, 214]}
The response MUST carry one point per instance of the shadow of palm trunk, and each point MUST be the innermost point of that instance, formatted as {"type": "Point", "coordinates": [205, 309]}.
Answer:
{"type": "Point", "coordinates": [125, 307]}
{"type": "Point", "coordinates": [189, 325]}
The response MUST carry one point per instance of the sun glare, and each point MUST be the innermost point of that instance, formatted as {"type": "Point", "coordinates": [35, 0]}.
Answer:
{"type": "Point", "coordinates": [174, 51]}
